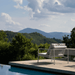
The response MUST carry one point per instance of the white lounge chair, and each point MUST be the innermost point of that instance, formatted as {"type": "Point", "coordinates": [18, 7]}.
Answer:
{"type": "Point", "coordinates": [55, 50]}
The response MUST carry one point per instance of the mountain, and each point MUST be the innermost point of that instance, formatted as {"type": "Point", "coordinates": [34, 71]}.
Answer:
{"type": "Point", "coordinates": [57, 35]}
{"type": "Point", "coordinates": [35, 36]}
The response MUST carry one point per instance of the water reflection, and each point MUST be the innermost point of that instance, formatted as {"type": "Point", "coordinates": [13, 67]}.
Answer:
{"type": "Point", "coordinates": [1, 65]}
{"type": "Point", "coordinates": [27, 71]}
{"type": "Point", "coordinates": [8, 70]}
{"type": "Point", "coordinates": [4, 70]}
{"type": "Point", "coordinates": [18, 71]}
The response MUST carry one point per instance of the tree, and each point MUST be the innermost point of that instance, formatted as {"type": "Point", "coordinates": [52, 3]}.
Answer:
{"type": "Point", "coordinates": [20, 45]}
{"type": "Point", "coordinates": [66, 40]}
{"type": "Point", "coordinates": [5, 52]}
{"type": "Point", "coordinates": [70, 42]}
{"type": "Point", "coordinates": [3, 36]}
{"type": "Point", "coordinates": [72, 39]}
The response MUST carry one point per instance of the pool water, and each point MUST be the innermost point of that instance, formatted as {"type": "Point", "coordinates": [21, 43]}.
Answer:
{"type": "Point", "coordinates": [8, 70]}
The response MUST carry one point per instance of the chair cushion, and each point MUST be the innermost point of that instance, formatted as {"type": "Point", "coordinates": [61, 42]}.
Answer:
{"type": "Point", "coordinates": [62, 44]}
{"type": "Point", "coordinates": [43, 54]}
{"type": "Point", "coordinates": [59, 47]}
{"type": "Point", "coordinates": [60, 54]}
{"type": "Point", "coordinates": [56, 46]}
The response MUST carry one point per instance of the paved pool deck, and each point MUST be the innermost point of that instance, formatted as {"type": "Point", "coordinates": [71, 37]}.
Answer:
{"type": "Point", "coordinates": [46, 65]}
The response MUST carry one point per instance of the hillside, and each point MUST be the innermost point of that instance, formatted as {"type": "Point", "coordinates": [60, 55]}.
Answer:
{"type": "Point", "coordinates": [37, 37]}
{"type": "Point", "coordinates": [57, 35]}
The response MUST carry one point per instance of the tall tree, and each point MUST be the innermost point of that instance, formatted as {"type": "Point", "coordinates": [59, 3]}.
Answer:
{"type": "Point", "coordinates": [72, 39]}
{"type": "Point", "coordinates": [70, 42]}
{"type": "Point", "coordinates": [3, 36]}
{"type": "Point", "coordinates": [20, 46]}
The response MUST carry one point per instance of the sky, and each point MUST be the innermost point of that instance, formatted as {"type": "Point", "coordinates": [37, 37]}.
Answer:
{"type": "Point", "coordinates": [45, 15]}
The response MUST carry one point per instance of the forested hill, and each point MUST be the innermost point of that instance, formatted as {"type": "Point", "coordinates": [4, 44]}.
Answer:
{"type": "Point", "coordinates": [36, 37]}
{"type": "Point", "coordinates": [57, 35]}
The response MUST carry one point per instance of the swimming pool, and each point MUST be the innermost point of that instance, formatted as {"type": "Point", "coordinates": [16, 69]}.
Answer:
{"type": "Point", "coordinates": [8, 70]}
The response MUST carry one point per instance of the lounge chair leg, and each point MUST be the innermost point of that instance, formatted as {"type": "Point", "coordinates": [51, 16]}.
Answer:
{"type": "Point", "coordinates": [51, 59]}
{"type": "Point", "coordinates": [38, 57]}
{"type": "Point", "coordinates": [54, 61]}
{"type": "Point", "coordinates": [54, 57]}
{"type": "Point", "coordinates": [68, 57]}
{"type": "Point", "coordinates": [38, 60]}
{"type": "Point", "coordinates": [68, 61]}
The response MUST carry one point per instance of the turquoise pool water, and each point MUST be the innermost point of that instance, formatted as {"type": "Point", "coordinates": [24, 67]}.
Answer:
{"type": "Point", "coordinates": [8, 70]}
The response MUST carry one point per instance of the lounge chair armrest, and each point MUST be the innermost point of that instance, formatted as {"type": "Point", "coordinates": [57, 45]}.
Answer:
{"type": "Point", "coordinates": [41, 49]}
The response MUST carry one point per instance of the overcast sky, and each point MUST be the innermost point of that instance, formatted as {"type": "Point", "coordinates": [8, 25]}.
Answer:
{"type": "Point", "coordinates": [45, 15]}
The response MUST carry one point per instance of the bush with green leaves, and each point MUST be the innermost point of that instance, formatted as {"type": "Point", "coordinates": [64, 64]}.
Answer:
{"type": "Point", "coordinates": [70, 42]}
{"type": "Point", "coordinates": [4, 52]}
{"type": "Point", "coordinates": [3, 36]}
{"type": "Point", "coordinates": [20, 46]}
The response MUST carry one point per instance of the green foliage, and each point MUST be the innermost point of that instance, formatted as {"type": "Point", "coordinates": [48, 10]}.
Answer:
{"type": "Point", "coordinates": [46, 45]}
{"type": "Point", "coordinates": [41, 39]}
{"type": "Point", "coordinates": [35, 36]}
{"type": "Point", "coordinates": [70, 42]}
{"type": "Point", "coordinates": [72, 39]}
{"type": "Point", "coordinates": [20, 45]}
{"type": "Point", "coordinates": [4, 52]}
{"type": "Point", "coordinates": [3, 36]}
{"type": "Point", "coordinates": [16, 50]}
{"type": "Point", "coordinates": [58, 40]}
{"type": "Point", "coordinates": [10, 35]}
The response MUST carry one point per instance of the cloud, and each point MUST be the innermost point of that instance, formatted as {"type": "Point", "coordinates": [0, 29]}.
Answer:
{"type": "Point", "coordinates": [18, 1]}
{"type": "Point", "coordinates": [43, 8]}
{"type": "Point", "coordinates": [68, 3]}
{"type": "Point", "coordinates": [18, 6]}
{"type": "Point", "coordinates": [73, 20]}
{"type": "Point", "coordinates": [6, 18]}
{"type": "Point", "coordinates": [59, 6]}
{"type": "Point", "coordinates": [47, 8]}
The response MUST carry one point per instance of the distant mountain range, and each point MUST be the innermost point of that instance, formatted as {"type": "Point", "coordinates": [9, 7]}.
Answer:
{"type": "Point", "coordinates": [57, 35]}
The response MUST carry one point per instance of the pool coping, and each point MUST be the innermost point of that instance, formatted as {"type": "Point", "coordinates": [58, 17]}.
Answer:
{"type": "Point", "coordinates": [45, 69]}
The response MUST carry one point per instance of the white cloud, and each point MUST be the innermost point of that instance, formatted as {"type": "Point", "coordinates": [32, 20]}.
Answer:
{"type": "Point", "coordinates": [73, 20]}
{"type": "Point", "coordinates": [65, 22]}
{"type": "Point", "coordinates": [38, 11]}
{"type": "Point", "coordinates": [47, 8]}
{"type": "Point", "coordinates": [43, 8]}
{"type": "Point", "coordinates": [68, 3]}
{"type": "Point", "coordinates": [40, 3]}
{"type": "Point", "coordinates": [18, 1]}
{"type": "Point", "coordinates": [57, 2]}
{"type": "Point", "coordinates": [27, 8]}
{"type": "Point", "coordinates": [55, 6]}
{"type": "Point", "coordinates": [18, 6]}
{"type": "Point", "coordinates": [6, 17]}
